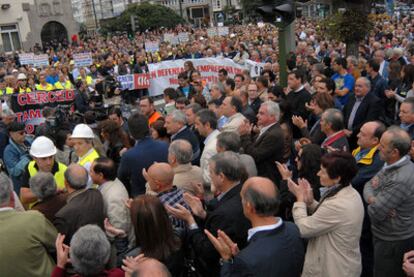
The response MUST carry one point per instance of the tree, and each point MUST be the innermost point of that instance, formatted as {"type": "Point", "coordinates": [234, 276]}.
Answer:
{"type": "Point", "coordinates": [150, 16]}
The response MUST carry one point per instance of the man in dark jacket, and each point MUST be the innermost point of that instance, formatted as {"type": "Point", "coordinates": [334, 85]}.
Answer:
{"type": "Point", "coordinates": [145, 152]}
{"type": "Point", "coordinates": [269, 240]}
{"type": "Point", "coordinates": [268, 146]}
{"type": "Point", "coordinates": [84, 206]}
{"type": "Point", "coordinates": [224, 213]}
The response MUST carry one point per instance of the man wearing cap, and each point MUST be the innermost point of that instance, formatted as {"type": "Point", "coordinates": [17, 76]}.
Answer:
{"type": "Point", "coordinates": [16, 154]}
{"type": "Point", "coordinates": [82, 137]}
{"type": "Point", "coordinates": [22, 84]}
{"type": "Point", "coordinates": [43, 152]}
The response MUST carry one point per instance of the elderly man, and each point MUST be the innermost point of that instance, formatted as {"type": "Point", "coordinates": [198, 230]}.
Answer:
{"type": "Point", "coordinates": [407, 116]}
{"type": "Point", "coordinates": [332, 125]}
{"type": "Point", "coordinates": [84, 206]}
{"type": "Point", "coordinates": [160, 178]}
{"type": "Point", "coordinates": [362, 107]}
{"type": "Point", "coordinates": [49, 200]}
{"type": "Point", "coordinates": [43, 152]}
{"type": "Point", "coordinates": [390, 198]}
{"type": "Point", "coordinates": [231, 108]}
{"type": "Point", "coordinates": [206, 124]}
{"type": "Point", "coordinates": [175, 123]}
{"type": "Point", "coordinates": [268, 146]}
{"type": "Point", "coordinates": [26, 239]}
{"type": "Point", "coordinates": [225, 213]}
{"type": "Point", "coordinates": [186, 176]}
{"type": "Point", "coordinates": [269, 239]}
{"type": "Point", "coordinates": [114, 193]}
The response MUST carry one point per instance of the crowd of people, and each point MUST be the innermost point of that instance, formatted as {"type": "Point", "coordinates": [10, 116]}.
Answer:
{"type": "Point", "coordinates": [241, 177]}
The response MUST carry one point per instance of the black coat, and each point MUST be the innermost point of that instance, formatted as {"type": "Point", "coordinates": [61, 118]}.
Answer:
{"type": "Point", "coordinates": [371, 108]}
{"type": "Point", "coordinates": [226, 215]}
{"type": "Point", "coordinates": [189, 136]}
{"type": "Point", "coordinates": [277, 252]}
{"type": "Point", "coordinates": [86, 207]}
{"type": "Point", "coordinates": [266, 150]}
{"type": "Point", "coordinates": [297, 101]}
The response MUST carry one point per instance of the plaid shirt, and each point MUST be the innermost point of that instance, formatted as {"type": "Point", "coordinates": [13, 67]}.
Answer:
{"type": "Point", "coordinates": [172, 197]}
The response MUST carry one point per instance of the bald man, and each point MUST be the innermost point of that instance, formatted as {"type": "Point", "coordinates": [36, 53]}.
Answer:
{"type": "Point", "coordinates": [160, 177]}
{"type": "Point", "coordinates": [269, 240]}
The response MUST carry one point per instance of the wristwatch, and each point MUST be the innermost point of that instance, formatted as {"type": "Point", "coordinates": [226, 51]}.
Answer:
{"type": "Point", "coordinates": [229, 261]}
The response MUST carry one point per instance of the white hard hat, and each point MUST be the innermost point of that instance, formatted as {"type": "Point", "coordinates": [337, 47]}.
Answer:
{"type": "Point", "coordinates": [42, 147]}
{"type": "Point", "coordinates": [82, 131]}
{"type": "Point", "coordinates": [21, 76]}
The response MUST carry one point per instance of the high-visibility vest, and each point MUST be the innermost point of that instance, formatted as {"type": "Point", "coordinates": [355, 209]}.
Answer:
{"type": "Point", "coordinates": [9, 90]}
{"type": "Point", "coordinates": [88, 80]}
{"type": "Point", "coordinates": [59, 175]}
{"type": "Point", "coordinates": [48, 87]}
{"type": "Point", "coordinates": [89, 158]}
{"type": "Point", "coordinates": [22, 90]}
{"type": "Point", "coordinates": [66, 85]}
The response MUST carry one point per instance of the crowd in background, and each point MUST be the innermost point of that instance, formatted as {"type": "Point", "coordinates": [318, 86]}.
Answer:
{"type": "Point", "coordinates": [240, 177]}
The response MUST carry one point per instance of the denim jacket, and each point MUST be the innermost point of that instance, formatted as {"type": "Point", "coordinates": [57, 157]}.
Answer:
{"type": "Point", "coordinates": [16, 160]}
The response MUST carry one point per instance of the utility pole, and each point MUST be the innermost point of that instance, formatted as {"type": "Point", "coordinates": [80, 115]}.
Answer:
{"type": "Point", "coordinates": [94, 14]}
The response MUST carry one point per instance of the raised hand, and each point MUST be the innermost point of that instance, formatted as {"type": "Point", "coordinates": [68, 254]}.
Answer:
{"type": "Point", "coordinates": [109, 228]}
{"type": "Point", "coordinates": [221, 245]}
{"type": "Point", "coordinates": [181, 212]}
{"type": "Point", "coordinates": [284, 171]}
{"type": "Point", "coordinates": [62, 251]}
{"type": "Point", "coordinates": [195, 205]}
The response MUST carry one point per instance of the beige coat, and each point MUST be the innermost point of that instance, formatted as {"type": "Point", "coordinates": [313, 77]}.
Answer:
{"type": "Point", "coordinates": [333, 231]}
{"type": "Point", "coordinates": [186, 176]}
{"type": "Point", "coordinates": [233, 123]}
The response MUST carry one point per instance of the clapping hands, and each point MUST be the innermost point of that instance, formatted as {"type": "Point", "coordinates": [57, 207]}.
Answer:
{"type": "Point", "coordinates": [223, 244]}
{"type": "Point", "coordinates": [302, 190]}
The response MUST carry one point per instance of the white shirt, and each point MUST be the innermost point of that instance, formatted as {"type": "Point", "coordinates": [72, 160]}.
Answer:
{"type": "Point", "coordinates": [264, 129]}
{"type": "Point", "coordinates": [211, 135]}
{"type": "Point", "coordinates": [381, 70]}
{"type": "Point", "coordinates": [252, 231]}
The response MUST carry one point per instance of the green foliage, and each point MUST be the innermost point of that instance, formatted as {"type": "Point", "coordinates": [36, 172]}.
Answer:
{"type": "Point", "coordinates": [149, 16]}
{"type": "Point", "coordinates": [349, 26]}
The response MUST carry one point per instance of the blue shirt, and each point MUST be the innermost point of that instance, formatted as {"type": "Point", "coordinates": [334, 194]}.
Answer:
{"type": "Point", "coordinates": [52, 79]}
{"type": "Point", "coordinates": [341, 82]}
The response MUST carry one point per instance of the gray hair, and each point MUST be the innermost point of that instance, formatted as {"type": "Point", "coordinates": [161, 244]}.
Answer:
{"type": "Point", "coordinates": [43, 185]}
{"type": "Point", "coordinates": [335, 118]}
{"type": "Point", "coordinates": [367, 82]}
{"type": "Point", "coordinates": [5, 189]}
{"type": "Point", "coordinates": [76, 176]}
{"type": "Point", "coordinates": [353, 60]}
{"type": "Point", "coordinates": [229, 164]}
{"type": "Point", "coordinates": [272, 109]}
{"type": "Point", "coordinates": [400, 140]}
{"type": "Point", "coordinates": [217, 86]}
{"type": "Point", "coordinates": [182, 150]}
{"type": "Point", "coordinates": [89, 250]}
{"type": "Point", "coordinates": [178, 116]}
{"type": "Point", "coordinates": [264, 205]}
{"type": "Point", "coordinates": [229, 141]}
{"type": "Point", "coordinates": [195, 107]}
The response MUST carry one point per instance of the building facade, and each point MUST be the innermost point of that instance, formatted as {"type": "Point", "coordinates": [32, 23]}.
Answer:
{"type": "Point", "coordinates": [26, 23]}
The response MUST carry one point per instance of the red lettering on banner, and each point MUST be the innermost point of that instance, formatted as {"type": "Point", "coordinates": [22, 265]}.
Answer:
{"type": "Point", "coordinates": [42, 97]}
{"type": "Point", "coordinates": [141, 81]}
{"type": "Point", "coordinates": [29, 129]}
{"type": "Point", "coordinates": [35, 114]}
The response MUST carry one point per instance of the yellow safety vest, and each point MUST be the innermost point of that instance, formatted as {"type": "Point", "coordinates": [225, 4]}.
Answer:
{"type": "Point", "coordinates": [89, 80]}
{"type": "Point", "coordinates": [22, 90]}
{"type": "Point", "coordinates": [9, 90]}
{"type": "Point", "coordinates": [59, 176]}
{"type": "Point", "coordinates": [89, 158]}
{"type": "Point", "coordinates": [68, 85]}
{"type": "Point", "coordinates": [48, 87]}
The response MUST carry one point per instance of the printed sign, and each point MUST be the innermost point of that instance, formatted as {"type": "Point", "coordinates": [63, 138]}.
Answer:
{"type": "Point", "coordinates": [184, 37]}
{"type": "Point", "coordinates": [152, 46]}
{"type": "Point", "coordinates": [82, 59]}
{"type": "Point", "coordinates": [26, 58]}
{"type": "Point", "coordinates": [40, 60]}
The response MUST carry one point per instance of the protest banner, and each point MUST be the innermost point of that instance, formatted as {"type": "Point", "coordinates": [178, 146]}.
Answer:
{"type": "Point", "coordinates": [152, 46]}
{"type": "Point", "coordinates": [223, 31]}
{"type": "Point", "coordinates": [184, 37]}
{"type": "Point", "coordinates": [82, 59]}
{"type": "Point", "coordinates": [40, 60]}
{"type": "Point", "coordinates": [255, 68]}
{"type": "Point", "coordinates": [134, 81]}
{"type": "Point", "coordinates": [168, 37]}
{"type": "Point", "coordinates": [28, 106]}
{"type": "Point", "coordinates": [26, 58]}
{"type": "Point", "coordinates": [164, 74]}
{"type": "Point", "coordinates": [211, 32]}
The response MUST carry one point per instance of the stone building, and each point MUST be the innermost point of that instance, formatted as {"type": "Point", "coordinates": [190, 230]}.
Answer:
{"type": "Point", "coordinates": [25, 23]}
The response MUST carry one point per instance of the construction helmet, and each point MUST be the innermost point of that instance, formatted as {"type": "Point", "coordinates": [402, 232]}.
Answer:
{"type": "Point", "coordinates": [82, 131]}
{"type": "Point", "coordinates": [42, 147]}
{"type": "Point", "coordinates": [21, 76]}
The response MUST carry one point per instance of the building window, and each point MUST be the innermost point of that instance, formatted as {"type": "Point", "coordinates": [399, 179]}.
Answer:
{"type": "Point", "coordinates": [218, 4]}
{"type": "Point", "coordinates": [10, 38]}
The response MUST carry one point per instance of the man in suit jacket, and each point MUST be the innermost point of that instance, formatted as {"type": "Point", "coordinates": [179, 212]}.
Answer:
{"type": "Point", "coordinates": [268, 146]}
{"type": "Point", "coordinates": [26, 238]}
{"type": "Point", "coordinates": [145, 152]}
{"type": "Point", "coordinates": [332, 125]}
{"type": "Point", "coordinates": [84, 206]}
{"type": "Point", "coordinates": [103, 173]}
{"type": "Point", "coordinates": [362, 107]}
{"type": "Point", "coordinates": [379, 57]}
{"type": "Point", "coordinates": [175, 123]}
{"type": "Point", "coordinates": [270, 239]}
{"type": "Point", "coordinates": [206, 124]}
{"type": "Point", "coordinates": [225, 213]}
